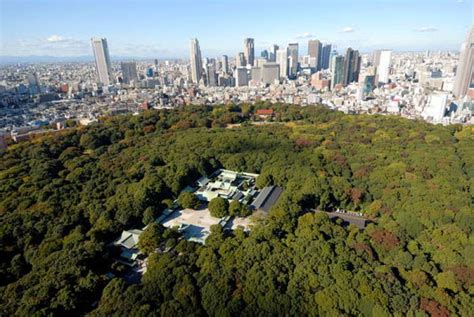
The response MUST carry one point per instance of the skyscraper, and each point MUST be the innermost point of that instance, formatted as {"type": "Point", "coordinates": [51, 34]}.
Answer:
{"type": "Point", "coordinates": [196, 61]}
{"type": "Point", "coordinates": [102, 60]}
{"type": "Point", "coordinates": [282, 60]}
{"type": "Point", "coordinates": [273, 52]}
{"type": "Point", "coordinates": [129, 72]}
{"type": "Point", "coordinates": [211, 73]}
{"type": "Point", "coordinates": [270, 73]}
{"type": "Point", "coordinates": [351, 66]}
{"type": "Point", "coordinates": [241, 77]}
{"type": "Point", "coordinates": [315, 51]}
{"type": "Point", "coordinates": [249, 51]}
{"type": "Point", "coordinates": [33, 84]}
{"type": "Point", "coordinates": [240, 60]}
{"type": "Point", "coordinates": [225, 64]}
{"type": "Point", "coordinates": [383, 66]}
{"type": "Point", "coordinates": [293, 60]}
{"type": "Point", "coordinates": [337, 70]}
{"type": "Point", "coordinates": [465, 69]}
{"type": "Point", "coordinates": [325, 56]}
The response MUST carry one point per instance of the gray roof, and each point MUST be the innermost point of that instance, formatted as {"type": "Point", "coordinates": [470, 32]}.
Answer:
{"type": "Point", "coordinates": [267, 198]}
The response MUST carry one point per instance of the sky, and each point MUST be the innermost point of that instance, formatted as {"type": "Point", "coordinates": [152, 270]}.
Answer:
{"type": "Point", "coordinates": [163, 28]}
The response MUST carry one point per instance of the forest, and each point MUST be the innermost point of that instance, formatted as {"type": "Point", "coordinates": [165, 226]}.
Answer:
{"type": "Point", "coordinates": [65, 197]}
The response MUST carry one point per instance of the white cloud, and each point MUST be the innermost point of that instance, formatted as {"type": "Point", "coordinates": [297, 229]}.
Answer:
{"type": "Point", "coordinates": [426, 29]}
{"type": "Point", "coordinates": [304, 35]}
{"type": "Point", "coordinates": [347, 30]}
{"type": "Point", "coordinates": [55, 38]}
{"type": "Point", "coordinates": [460, 1]}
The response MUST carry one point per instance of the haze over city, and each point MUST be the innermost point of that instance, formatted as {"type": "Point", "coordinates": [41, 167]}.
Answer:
{"type": "Point", "coordinates": [162, 29]}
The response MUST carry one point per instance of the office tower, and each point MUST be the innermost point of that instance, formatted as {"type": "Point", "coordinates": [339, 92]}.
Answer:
{"type": "Point", "coordinates": [241, 77]}
{"type": "Point", "coordinates": [264, 54]}
{"type": "Point", "coordinates": [156, 65]}
{"type": "Point", "coordinates": [292, 60]}
{"type": "Point", "coordinates": [305, 62]}
{"type": "Point", "coordinates": [240, 60]}
{"type": "Point", "coordinates": [211, 73]}
{"type": "Point", "coordinates": [270, 73]}
{"type": "Point", "coordinates": [273, 53]}
{"type": "Point", "coordinates": [351, 66]}
{"type": "Point", "coordinates": [315, 51]}
{"type": "Point", "coordinates": [256, 74]}
{"type": "Point", "coordinates": [376, 58]}
{"type": "Point", "coordinates": [102, 60]}
{"type": "Point", "coordinates": [33, 84]}
{"type": "Point", "coordinates": [260, 61]}
{"type": "Point", "coordinates": [383, 66]}
{"type": "Point", "coordinates": [129, 72]}
{"type": "Point", "coordinates": [282, 60]}
{"type": "Point", "coordinates": [225, 64]}
{"type": "Point", "coordinates": [196, 61]}
{"type": "Point", "coordinates": [149, 72]}
{"type": "Point", "coordinates": [368, 84]}
{"type": "Point", "coordinates": [331, 58]}
{"type": "Point", "coordinates": [325, 56]}
{"type": "Point", "coordinates": [465, 70]}
{"type": "Point", "coordinates": [249, 51]}
{"type": "Point", "coordinates": [337, 70]}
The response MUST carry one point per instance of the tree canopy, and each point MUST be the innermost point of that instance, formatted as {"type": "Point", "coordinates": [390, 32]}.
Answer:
{"type": "Point", "coordinates": [64, 198]}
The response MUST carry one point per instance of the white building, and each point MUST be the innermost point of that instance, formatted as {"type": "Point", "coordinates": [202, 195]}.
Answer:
{"type": "Point", "coordinates": [282, 60]}
{"type": "Point", "coordinates": [435, 107]}
{"type": "Point", "coordinates": [383, 67]}
{"type": "Point", "coordinates": [102, 60]}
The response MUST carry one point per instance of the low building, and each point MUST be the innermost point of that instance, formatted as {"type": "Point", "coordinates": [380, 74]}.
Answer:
{"type": "Point", "coordinates": [267, 197]}
{"type": "Point", "coordinates": [130, 255]}
{"type": "Point", "coordinates": [265, 113]}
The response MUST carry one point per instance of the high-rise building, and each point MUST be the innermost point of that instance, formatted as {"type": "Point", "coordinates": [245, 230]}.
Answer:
{"type": "Point", "coordinates": [383, 66]}
{"type": "Point", "coordinates": [256, 74]}
{"type": "Point", "coordinates": [325, 56]}
{"type": "Point", "coordinates": [241, 77]}
{"type": "Point", "coordinates": [270, 73]}
{"type": "Point", "coordinates": [315, 51]}
{"type": "Point", "coordinates": [129, 72]}
{"type": "Point", "coordinates": [465, 70]}
{"type": "Point", "coordinates": [196, 61]}
{"type": "Point", "coordinates": [225, 64]}
{"type": "Point", "coordinates": [33, 84]}
{"type": "Point", "coordinates": [102, 60]}
{"type": "Point", "coordinates": [337, 70]}
{"type": "Point", "coordinates": [282, 60]}
{"type": "Point", "coordinates": [240, 60]}
{"type": "Point", "coordinates": [211, 73]}
{"type": "Point", "coordinates": [292, 60]}
{"type": "Point", "coordinates": [351, 66]}
{"type": "Point", "coordinates": [264, 54]}
{"type": "Point", "coordinates": [273, 53]}
{"type": "Point", "coordinates": [249, 51]}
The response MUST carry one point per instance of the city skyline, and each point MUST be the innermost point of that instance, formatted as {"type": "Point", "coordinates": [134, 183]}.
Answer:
{"type": "Point", "coordinates": [365, 26]}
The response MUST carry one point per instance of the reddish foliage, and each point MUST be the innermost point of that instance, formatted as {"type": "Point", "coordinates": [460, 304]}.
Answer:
{"type": "Point", "coordinates": [359, 246]}
{"type": "Point", "coordinates": [385, 239]}
{"type": "Point", "coordinates": [356, 195]}
{"type": "Point", "coordinates": [433, 308]}
{"type": "Point", "coordinates": [302, 143]}
{"type": "Point", "coordinates": [149, 128]}
{"type": "Point", "coordinates": [464, 274]}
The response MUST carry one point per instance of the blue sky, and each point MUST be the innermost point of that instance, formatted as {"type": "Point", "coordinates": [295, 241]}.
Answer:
{"type": "Point", "coordinates": [162, 28]}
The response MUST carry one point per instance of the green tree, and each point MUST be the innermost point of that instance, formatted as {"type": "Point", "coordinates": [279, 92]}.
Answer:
{"type": "Point", "coordinates": [150, 238]}
{"type": "Point", "coordinates": [219, 207]}
{"type": "Point", "coordinates": [188, 200]}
